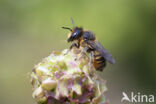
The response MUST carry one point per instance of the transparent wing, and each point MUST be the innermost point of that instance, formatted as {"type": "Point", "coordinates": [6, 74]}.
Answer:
{"type": "Point", "coordinates": [98, 47]}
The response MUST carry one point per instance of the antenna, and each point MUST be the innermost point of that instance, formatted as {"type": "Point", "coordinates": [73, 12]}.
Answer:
{"type": "Point", "coordinates": [72, 22]}
{"type": "Point", "coordinates": [67, 28]}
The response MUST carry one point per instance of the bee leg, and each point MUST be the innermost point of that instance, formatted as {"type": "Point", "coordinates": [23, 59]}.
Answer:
{"type": "Point", "coordinates": [71, 47]}
{"type": "Point", "coordinates": [82, 53]}
{"type": "Point", "coordinates": [66, 52]}
{"type": "Point", "coordinates": [91, 61]}
{"type": "Point", "coordinates": [84, 50]}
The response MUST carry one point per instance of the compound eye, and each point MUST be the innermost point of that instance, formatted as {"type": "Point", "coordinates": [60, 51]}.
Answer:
{"type": "Point", "coordinates": [75, 34]}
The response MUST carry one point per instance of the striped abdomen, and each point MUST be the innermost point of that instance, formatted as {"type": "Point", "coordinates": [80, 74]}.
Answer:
{"type": "Point", "coordinates": [99, 62]}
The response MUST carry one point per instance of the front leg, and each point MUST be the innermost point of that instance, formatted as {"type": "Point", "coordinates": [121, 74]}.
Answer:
{"type": "Point", "coordinates": [83, 52]}
{"type": "Point", "coordinates": [74, 45]}
{"type": "Point", "coordinates": [71, 47]}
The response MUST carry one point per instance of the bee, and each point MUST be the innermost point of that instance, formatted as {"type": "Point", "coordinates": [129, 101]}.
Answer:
{"type": "Point", "coordinates": [87, 42]}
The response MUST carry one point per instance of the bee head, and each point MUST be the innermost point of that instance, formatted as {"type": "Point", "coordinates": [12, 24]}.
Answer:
{"type": "Point", "coordinates": [75, 33]}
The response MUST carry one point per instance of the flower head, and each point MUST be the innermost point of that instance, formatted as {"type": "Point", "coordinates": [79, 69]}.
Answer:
{"type": "Point", "coordinates": [60, 79]}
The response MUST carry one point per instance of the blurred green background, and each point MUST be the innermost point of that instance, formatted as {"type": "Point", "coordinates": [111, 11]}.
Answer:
{"type": "Point", "coordinates": [31, 29]}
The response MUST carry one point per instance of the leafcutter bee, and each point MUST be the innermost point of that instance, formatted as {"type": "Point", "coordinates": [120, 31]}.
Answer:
{"type": "Point", "coordinates": [87, 42]}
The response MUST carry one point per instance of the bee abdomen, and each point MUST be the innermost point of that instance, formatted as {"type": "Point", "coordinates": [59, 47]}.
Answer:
{"type": "Point", "coordinates": [99, 62]}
